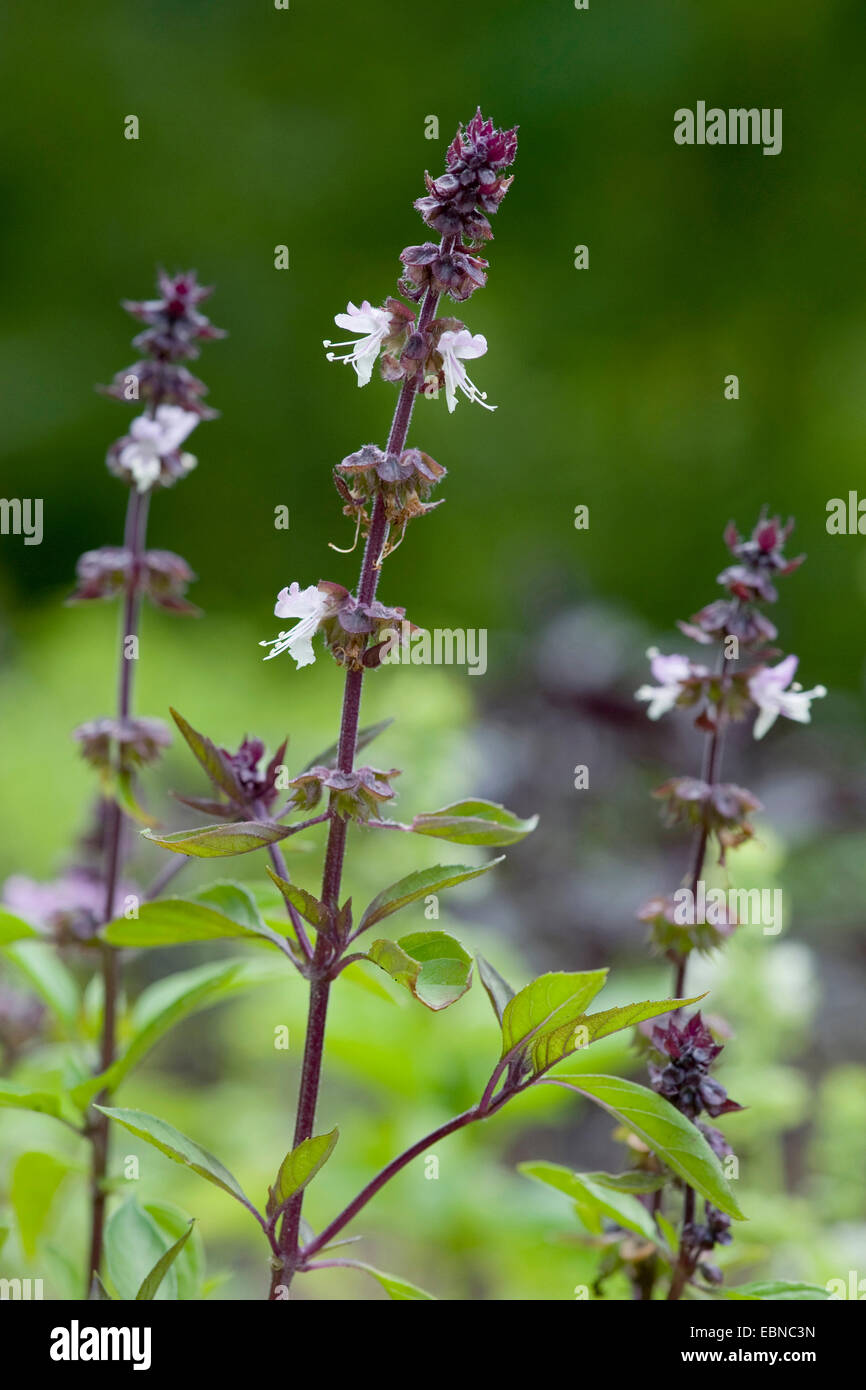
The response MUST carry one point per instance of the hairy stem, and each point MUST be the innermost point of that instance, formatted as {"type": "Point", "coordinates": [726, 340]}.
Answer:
{"type": "Point", "coordinates": [323, 963]}
{"type": "Point", "coordinates": [709, 773]}
{"type": "Point", "coordinates": [135, 532]}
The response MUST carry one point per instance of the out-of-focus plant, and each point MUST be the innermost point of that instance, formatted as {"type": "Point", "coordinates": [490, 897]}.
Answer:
{"type": "Point", "coordinates": [742, 682]}
{"type": "Point", "coordinates": [70, 911]}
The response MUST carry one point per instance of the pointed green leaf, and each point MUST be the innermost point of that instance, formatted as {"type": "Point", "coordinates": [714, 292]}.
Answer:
{"type": "Point", "coordinates": [398, 1289]}
{"type": "Point", "coordinates": [575, 1033]}
{"type": "Point", "coordinates": [778, 1291]}
{"type": "Point", "coordinates": [213, 761]}
{"type": "Point", "coordinates": [134, 1247]}
{"type": "Point", "coordinates": [15, 1096]}
{"type": "Point", "coordinates": [418, 885]}
{"type": "Point", "coordinates": [499, 991]}
{"type": "Point", "coordinates": [189, 1268]}
{"type": "Point", "coordinates": [177, 921]}
{"type": "Point", "coordinates": [152, 1281]}
{"type": "Point", "coordinates": [303, 902]}
{"type": "Point", "coordinates": [299, 1167]}
{"type": "Point", "coordinates": [220, 841]}
{"type": "Point", "coordinates": [178, 1147]}
{"type": "Point", "coordinates": [670, 1235]}
{"type": "Point", "coordinates": [636, 1181]}
{"type": "Point", "coordinates": [14, 928]}
{"type": "Point", "coordinates": [474, 823]}
{"type": "Point", "coordinates": [233, 899]}
{"type": "Point", "coordinates": [121, 788]}
{"type": "Point", "coordinates": [673, 1138]}
{"type": "Point", "coordinates": [35, 1180]}
{"type": "Point", "coordinates": [593, 1200]}
{"type": "Point", "coordinates": [431, 965]}
{"type": "Point", "coordinates": [551, 1002]}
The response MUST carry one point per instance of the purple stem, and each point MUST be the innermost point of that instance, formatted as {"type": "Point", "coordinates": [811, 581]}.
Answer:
{"type": "Point", "coordinates": [135, 531]}
{"type": "Point", "coordinates": [323, 963]}
{"type": "Point", "coordinates": [376, 1184]}
{"type": "Point", "coordinates": [709, 772]}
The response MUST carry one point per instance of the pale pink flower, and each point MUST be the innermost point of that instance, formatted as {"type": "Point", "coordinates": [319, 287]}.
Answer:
{"type": "Point", "coordinates": [373, 325]}
{"type": "Point", "coordinates": [773, 693]}
{"type": "Point", "coordinates": [454, 348]}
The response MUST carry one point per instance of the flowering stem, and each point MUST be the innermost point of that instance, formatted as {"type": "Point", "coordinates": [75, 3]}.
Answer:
{"type": "Point", "coordinates": [135, 532]}
{"type": "Point", "coordinates": [709, 774]}
{"type": "Point", "coordinates": [324, 966]}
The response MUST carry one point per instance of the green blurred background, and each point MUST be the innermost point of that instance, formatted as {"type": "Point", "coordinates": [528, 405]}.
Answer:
{"type": "Point", "coordinates": [305, 127]}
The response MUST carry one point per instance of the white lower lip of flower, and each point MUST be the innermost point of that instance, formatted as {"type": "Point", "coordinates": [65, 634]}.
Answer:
{"type": "Point", "coordinates": [144, 464]}
{"type": "Point", "coordinates": [362, 356]}
{"type": "Point", "coordinates": [298, 643]}
{"type": "Point", "coordinates": [794, 704]}
{"type": "Point", "coordinates": [661, 698]}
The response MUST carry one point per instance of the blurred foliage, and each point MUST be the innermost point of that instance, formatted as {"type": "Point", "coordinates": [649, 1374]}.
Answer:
{"type": "Point", "coordinates": [260, 127]}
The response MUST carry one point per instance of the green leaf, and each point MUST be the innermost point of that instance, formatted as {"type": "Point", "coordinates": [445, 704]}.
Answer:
{"type": "Point", "coordinates": [574, 1034]}
{"type": "Point", "coordinates": [675, 1140]}
{"type": "Point", "coordinates": [14, 928]}
{"type": "Point", "coordinates": [168, 1002]}
{"type": "Point", "coordinates": [14, 1096]}
{"type": "Point", "coordinates": [211, 758]}
{"type": "Point", "coordinates": [39, 963]}
{"type": "Point", "coordinates": [398, 1289]}
{"type": "Point", "coordinates": [431, 965]}
{"type": "Point", "coordinates": [121, 787]}
{"type": "Point", "coordinates": [365, 736]}
{"type": "Point", "coordinates": [593, 1200]}
{"type": "Point", "coordinates": [233, 899]}
{"type": "Point", "coordinates": [499, 991]}
{"type": "Point", "coordinates": [152, 1281]}
{"type": "Point", "coordinates": [474, 823]}
{"type": "Point", "coordinates": [670, 1235]}
{"type": "Point", "coordinates": [134, 1248]}
{"type": "Point", "coordinates": [178, 1147]}
{"type": "Point", "coordinates": [220, 841]}
{"type": "Point", "coordinates": [551, 1003]}
{"type": "Point", "coordinates": [177, 921]}
{"type": "Point", "coordinates": [35, 1180]}
{"type": "Point", "coordinates": [299, 1167]}
{"type": "Point", "coordinates": [309, 907]}
{"type": "Point", "coordinates": [418, 885]}
{"type": "Point", "coordinates": [189, 1267]}
{"type": "Point", "coordinates": [636, 1181]}
{"type": "Point", "coordinates": [778, 1291]}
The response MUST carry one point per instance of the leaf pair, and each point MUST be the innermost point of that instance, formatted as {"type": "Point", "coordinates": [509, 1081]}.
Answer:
{"type": "Point", "coordinates": [547, 1020]}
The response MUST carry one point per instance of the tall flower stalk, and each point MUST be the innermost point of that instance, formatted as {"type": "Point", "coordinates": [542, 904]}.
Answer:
{"type": "Point", "coordinates": [742, 683]}
{"type": "Point", "coordinates": [382, 488]}
{"type": "Point", "coordinates": [147, 458]}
